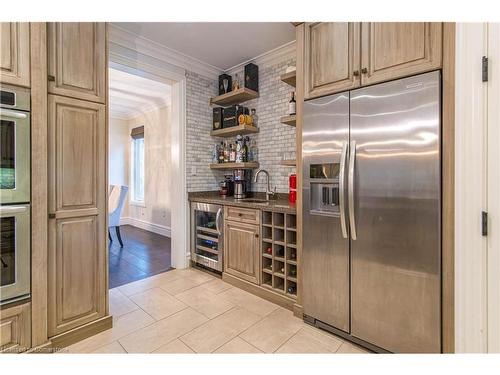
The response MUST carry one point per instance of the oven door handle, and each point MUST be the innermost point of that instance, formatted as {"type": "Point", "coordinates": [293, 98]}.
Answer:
{"type": "Point", "coordinates": [13, 114]}
{"type": "Point", "coordinates": [12, 210]}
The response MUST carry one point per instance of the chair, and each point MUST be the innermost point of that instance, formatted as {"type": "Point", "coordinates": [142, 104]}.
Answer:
{"type": "Point", "coordinates": [116, 200]}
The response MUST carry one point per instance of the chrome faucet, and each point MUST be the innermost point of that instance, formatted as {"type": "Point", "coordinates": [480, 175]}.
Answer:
{"type": "Point", "coordinates": [269, 192]}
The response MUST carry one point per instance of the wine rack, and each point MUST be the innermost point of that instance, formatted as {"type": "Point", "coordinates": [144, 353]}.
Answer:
{"type": "Point", "coordinates": [279, 252]}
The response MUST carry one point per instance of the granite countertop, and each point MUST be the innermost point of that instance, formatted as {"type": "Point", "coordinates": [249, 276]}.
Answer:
{"type": "Point", "coordinates": [280, 203]}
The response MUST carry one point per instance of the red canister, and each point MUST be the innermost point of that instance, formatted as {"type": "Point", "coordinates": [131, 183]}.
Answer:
{"type": "Point", "coordinates": [292, 182]}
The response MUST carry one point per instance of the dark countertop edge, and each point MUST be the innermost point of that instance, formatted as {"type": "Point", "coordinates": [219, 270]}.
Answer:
{"type": "Point", "coordinates": [277, 205]}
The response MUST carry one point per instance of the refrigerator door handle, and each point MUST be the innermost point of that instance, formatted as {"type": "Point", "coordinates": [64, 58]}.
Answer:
{"type": "Point", "coordinates": [217, 218]}
{"type": "Point", "coordinates": [352, 161]}
{"type": "Point", "coordinates": [343, 157]}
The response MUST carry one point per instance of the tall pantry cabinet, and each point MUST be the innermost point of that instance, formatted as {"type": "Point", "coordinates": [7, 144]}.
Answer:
{"type": "Point", "coordinates": [77, 182]}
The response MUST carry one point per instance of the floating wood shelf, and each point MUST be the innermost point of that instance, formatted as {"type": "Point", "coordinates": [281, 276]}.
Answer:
{"type": "Point", "coordinates": [248, 165]}
{"type": "Point", "coordinates": [234, 97]}
{"type": "Point", "coordinates": [290, 78]}
{"type": "Point", "coordinates": [289, 163]}
{"type": "Point", "coordinates": [234, 130]}
{"type": "Point", "coordinates": [288, 120]}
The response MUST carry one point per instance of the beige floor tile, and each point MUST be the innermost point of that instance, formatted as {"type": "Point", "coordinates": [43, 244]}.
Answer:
{"type": "Point", "coordinates": [194, 274]}
{"type": "Point", "coordinates": [237, 346]}
{"type": "Point", "coordinates": [348, 348]}
{"type": "Point", "coordinates": [162, 332]}
{"type": "Point", "coordinates": [205, 302]}
{"type": "Point", "coordinates": [158, 303]}
{"type": "Point", "coordinates": [216, 286]}
{"type": "Point", "coordinates": [311, 340]}
{"type": "Point", "coordinates": [272, 331]}
{"type": "Point", "coordinates": [122, 326]}
{"type": "Point", "coordinates": [249, 301]}
{"type": "Point", "coordinates": [213, 334]}
{"type": "Point", "coordinates": [113, 348]}
{"type": "Point", "coordinates": [176, 346]}
{"type": "Point", "coordinates": [119, 303]}
{"type": "Point", "coordinates": [181, 284]}
{"type": "Point", "coordinates": [148, 283]}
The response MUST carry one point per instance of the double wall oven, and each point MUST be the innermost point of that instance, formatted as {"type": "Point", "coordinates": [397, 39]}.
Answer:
{"type": "Point", "coordinates": [15, 192]}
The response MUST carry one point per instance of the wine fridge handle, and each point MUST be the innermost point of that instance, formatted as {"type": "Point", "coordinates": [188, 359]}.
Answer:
{"type": "Point", "coordinates": [343, 157]}
{"type": "Point", "coordinates": [352, 161]}
{"type": "Point", "coordinates": [217, 217]}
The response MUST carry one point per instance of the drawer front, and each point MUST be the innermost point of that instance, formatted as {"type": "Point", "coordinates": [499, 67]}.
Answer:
{"type": "Point", "coordinates": [15, 329]}
{"type": "Point", "coordinates": [242, 215]}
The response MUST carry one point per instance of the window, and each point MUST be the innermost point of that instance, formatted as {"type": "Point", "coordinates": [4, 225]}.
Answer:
{"type": "Point", "coordinates": [137, 135]}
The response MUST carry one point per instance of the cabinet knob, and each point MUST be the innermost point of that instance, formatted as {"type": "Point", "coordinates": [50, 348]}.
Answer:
{"type": "Point", "coordinates": [256, 235]}
{"type": "Point", "coordinates": [52, 215]}
{"type": "Point", "coordinates": [51, 78]}
{"type": "Point", "coordinates": [364, 70]}
{"type": "Point", "coordinates": [355, 73]}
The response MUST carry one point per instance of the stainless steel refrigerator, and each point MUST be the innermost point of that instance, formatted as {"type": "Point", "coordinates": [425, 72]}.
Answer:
{"type": "Point", "coordinates": [371, 260]}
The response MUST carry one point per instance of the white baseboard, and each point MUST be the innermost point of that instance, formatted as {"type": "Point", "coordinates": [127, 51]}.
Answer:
{"type": "Point", "coordinates": [150, 227]}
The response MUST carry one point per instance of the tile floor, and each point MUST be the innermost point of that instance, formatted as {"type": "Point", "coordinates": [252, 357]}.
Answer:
{"type": "Point", "coordinates": [189, 311]}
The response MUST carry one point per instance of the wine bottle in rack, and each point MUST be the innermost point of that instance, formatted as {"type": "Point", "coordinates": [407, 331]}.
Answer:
{"type": "Point", "coordinates": [292, 105]}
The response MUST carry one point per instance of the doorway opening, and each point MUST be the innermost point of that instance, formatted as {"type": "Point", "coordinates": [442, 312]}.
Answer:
{"type": "Point", "coordinates": [139, 175]}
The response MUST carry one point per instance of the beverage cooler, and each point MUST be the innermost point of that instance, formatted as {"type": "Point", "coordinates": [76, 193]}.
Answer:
{"type": "Point", "coordinates": [207, 246]}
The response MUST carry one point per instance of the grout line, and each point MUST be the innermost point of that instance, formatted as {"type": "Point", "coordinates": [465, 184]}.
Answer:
{"type": "Point", "coordinates": [118, 342]}
{"type": "Point", "coordinates": [251, 344]}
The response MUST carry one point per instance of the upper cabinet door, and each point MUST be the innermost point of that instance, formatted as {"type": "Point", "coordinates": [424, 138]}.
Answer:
{"type": "Point", "coordinates": [77, 60]}
{"type": "Point", "coordinates": [15, 53]}
{"type": "Point", "coordinates": [331, 60]}
{"type": "Point", "coordinates": [393, 50]}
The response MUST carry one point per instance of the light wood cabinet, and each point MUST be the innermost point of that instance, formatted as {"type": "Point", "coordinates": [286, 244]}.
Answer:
{"type": "Point", "coordinates": [77, 60]}
{"type": "Point", "coordinates": [15, 53]}
{"type": "Point", "coordinates": [241, 250]}
{"type": "Point", "coordinates": [15, 328]}
{"type": "Point", "coordinates": [393, 50]}
{"type": "Point", "coordinates": [77, 225]}
{"type": "Point", "coordinates": [342, 56]}
{"type": "Point", "coordinates": [331, 57]}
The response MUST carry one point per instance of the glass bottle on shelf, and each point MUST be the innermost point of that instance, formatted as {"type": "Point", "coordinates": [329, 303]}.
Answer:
{"type": "Point", "coordinates": [291, 105]}
{"type": "Point", "coordinates": [226, 153]}
{"type": "Point", "coordinates": [232, 153]}
{"type": "Point", "coordinates": [221, 152]}
{"type": "Point", "coordinates": [246, 141]}
{"type": "Point", "coordinates": [236, 82]}
{"type": "Point", "coordinates": [254, 116]}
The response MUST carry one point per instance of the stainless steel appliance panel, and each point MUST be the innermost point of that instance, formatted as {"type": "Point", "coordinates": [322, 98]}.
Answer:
{"type": "Point", "coordinates": [395, 214]}
{"type": "Point", "coordinates": [207, 228]}
{"type": "Point", "coordinates": [14, 253]}
{"type": "Point", "coordinates": [325, 254]}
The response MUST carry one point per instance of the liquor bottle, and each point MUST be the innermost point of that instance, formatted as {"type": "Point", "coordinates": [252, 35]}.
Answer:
{"type": "Point", "coordinates": [236, 82]}
{"type": "Point", "coordinates": [253, 151]}
{"type": "Point", "coordinates": [232, 153]}
{"type": "Point", "coordinates": [239, 149]}
{"type": "Point", "coordinates": [226, 153]}
{"type": "Point", "coordinates": [246, 141]}
{"type": "Point", "coordinates": [221, 152]}
{"type": "Point", "coordinates": [291, 104]}
{"type": "Point", "coordinates": [215, 154]}
{"type": "Point", "coordinates": [255, 118]}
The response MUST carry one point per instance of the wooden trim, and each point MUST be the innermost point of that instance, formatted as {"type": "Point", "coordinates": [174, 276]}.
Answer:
{"type": "Point", "coordinates": [448, 193]}
{"type": "Point", "coordinates": [106, 166]}
{"type": "Point", "coordinates": [80, 333]}
{"type": "Point", "coordinates": [234, 130]}
{"type": "Point", "coordinates": [234, 97]}
{"type": "Point", "coordinates": [267, 294]}
{"type": "Point", "coordinates": [39, 183]}
{"type": "Point", "coordinates": [299, 36]}
{"type": "Point", "coordinates": [289, 78]}
{"type": "Point", "coordinates": [246, 165]}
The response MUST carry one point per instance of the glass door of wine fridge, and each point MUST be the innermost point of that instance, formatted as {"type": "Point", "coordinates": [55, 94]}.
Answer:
{"type": "Point", "coordinates": [207, 235]}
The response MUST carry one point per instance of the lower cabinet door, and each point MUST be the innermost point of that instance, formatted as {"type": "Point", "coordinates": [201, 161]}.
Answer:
{"type": "Point", "coordinates": [241, 251]}
{"type": "Point", "coordinates": [15, 329]}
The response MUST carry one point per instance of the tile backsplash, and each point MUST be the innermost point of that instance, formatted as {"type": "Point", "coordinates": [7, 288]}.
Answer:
{"type": "Point", "coordinates": [273, 140]}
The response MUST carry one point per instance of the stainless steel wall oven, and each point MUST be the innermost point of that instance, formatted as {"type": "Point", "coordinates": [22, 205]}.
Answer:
{"type": "Point", "coordinates": [15, 192]}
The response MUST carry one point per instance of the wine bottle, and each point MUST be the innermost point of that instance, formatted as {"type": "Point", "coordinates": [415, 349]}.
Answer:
{"type": "Point", "coordinates": [292, 289]}
{"type": "Point", "coordinates": [221, 153]}
{"type": "Point", "coordinates": [291, 105]}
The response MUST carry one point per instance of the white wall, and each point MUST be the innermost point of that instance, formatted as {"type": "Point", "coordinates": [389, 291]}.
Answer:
{"type": "Point", "coordinates": [155, 214]}
{"type": "Point", "coordinates": [157, 209]}
{"type": "Point", "coordinates": [119, 154]}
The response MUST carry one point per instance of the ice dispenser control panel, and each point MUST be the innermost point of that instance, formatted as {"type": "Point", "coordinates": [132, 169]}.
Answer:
{"type": "Point", "coordinates": [324, 188]}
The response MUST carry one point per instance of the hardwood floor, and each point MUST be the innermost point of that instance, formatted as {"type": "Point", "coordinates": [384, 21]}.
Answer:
{"type": "Point", "coordinates": [143, 254]}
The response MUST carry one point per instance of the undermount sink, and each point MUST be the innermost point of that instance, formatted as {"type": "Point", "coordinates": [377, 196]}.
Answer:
{"type": "Point", "coordinates": [253, 200]}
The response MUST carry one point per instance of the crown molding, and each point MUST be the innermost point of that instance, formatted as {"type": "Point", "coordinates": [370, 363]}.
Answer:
{"type": "Point", "coordinates": [144, 46]}
{"type": "Point", "coordinates": [274, 56]}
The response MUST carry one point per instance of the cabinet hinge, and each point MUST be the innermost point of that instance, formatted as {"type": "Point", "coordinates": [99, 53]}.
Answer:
{"type": "Point", "coordinates": [484, 68]}
{"type": "Point", "coordinates": [484, 223]}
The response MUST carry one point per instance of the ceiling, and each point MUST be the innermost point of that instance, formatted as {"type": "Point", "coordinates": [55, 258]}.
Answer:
{"type": "Point", "coordinates": [220, 44]}
{"type": "Point", "coordinates": [131, 95]}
